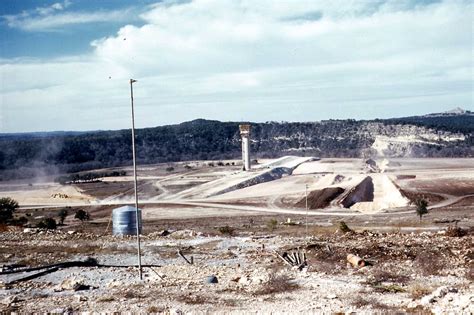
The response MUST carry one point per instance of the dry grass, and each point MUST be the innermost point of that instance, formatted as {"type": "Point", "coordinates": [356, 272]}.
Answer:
{"type": "Point", "coordinates": [226, 230]}
{"type": "Point", "coordinates": [418, 310]}
{"type": "Point", "coordinates": [455, 231]}
{"type": "Point", "coordinates": [383, 275]}
{"type": "Point", "coordinates": [470, 274]}
{"type": "Point", "coordinates": [344, 228]}
{"type": "Point", "coordinates": [3, 228]}
{"type": "Point", "coordinates": [277, 284]}
{"type": "Point", "coordinates": [133, 294]}
{"type": "Point", "coordinates": [384, 281]}
{"type": "Point", "coordinates": [193, 299]}
{"type": "Point", "coordinates": [154, 310]}
{"type": "Point", "coordinates": [387, 288]}
{"type": "Point", "coordinates": [363, 302]}
{"type": "Point", "coordinates": [82, 248]}
{"type": "Point", "coordinates": [327, 258]}
{"type": "Point", "coordinates": [106, 298]}
{"type": "Point", "coordinates": [419, 290]}
{"type": "Point", "coordinates": [429, 263]}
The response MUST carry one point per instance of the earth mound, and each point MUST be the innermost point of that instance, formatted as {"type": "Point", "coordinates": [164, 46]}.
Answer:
{"type": "Point", "coordinates": [318, 199]}
{"type": "Point", "coordinates": [363, 192]}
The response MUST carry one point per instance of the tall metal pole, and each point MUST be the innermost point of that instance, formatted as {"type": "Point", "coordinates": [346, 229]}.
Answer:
{"type": "Point", "coordinates": [306, 206]}
{"type": "Point", "coordinates": [137, 217]}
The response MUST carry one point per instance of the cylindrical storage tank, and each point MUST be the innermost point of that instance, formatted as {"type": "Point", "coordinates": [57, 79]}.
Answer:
{"type": "Point", "coordinates": [124, 221]}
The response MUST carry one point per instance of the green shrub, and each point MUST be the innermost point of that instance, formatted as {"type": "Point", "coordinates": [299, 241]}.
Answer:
{"type": "Point", "coordinates": [272, 224]}
{"type": "Point", "coordinates": [226, 230]}
{"type": "Point", "coordinates": [62, 215]}
{"type": "Point", "coordinates": [344, 228]}
{"type": "Point", "coordinates": [421, 207]}
{"type": "Point", "coordinates": [48, 223]}
{"type": "Point", "coordinates": [82, 215]}
{"type": "Point", "coordinates": [7, 207]}
{"type": "Point", "coordinates": [21, 221]}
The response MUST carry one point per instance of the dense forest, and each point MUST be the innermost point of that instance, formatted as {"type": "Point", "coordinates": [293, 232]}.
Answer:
{"type": "Point", "coordinates": [29, 155]}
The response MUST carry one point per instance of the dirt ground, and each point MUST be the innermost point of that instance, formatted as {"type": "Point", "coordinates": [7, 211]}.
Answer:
{"type": "Point", "coordinates": [411, 272]}
{"type": "Point", "coordinates": [412, 265]}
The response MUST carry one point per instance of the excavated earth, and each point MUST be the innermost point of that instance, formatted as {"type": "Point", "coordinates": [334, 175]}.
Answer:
{"type": "Point", "coordinates": [423, 272]}
{"type": "Point", "coordinates": [234, 224]}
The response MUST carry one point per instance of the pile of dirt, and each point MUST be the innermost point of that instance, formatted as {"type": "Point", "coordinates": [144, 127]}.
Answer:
{"type": "Point", "coordinates": [372, 166]}
{"type": "Point", "coordinates": [273, 174]}
{"type": "Point", "coordinates": [406, 176]}
{"type": "Point", "coordinates": [363, 192]}
{"type": "Point", "coordinates": [318, 199]}
{"type": "Point", "coordinates": [414, 195]}
{"type": "Point", "coordinates": [338, 179]}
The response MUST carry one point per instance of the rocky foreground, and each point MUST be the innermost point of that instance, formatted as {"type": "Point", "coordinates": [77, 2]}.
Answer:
{"type": "Point", "coordinates": [426, 272]}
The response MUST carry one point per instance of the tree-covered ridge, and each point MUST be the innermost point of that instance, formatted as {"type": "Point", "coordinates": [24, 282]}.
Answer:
{"type": "Point", "coordinates": [452, 123]}
{"type": "Point", "coordinates": [23, 156]}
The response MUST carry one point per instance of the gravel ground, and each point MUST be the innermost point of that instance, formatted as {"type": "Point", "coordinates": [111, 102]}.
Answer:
{"type": "Point", "coordinates": [418, 272]}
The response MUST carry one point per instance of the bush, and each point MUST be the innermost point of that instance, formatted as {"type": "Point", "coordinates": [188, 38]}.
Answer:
{"type": "Point", "coordinates": [455, 231]}
{"type": "Point", "coordinates": [21, 221]}
{"type": "Point", "coordinates": [277, 284]}
{"type": "Point", "coordinates": [170, 169]}
{"type": "Point", "coordinates": [7, 207]}
{"type": "Point", "coordinates": [421, 207]}
{"type": "Point", "coordinates": [48, 223]}
{"type": "Point", "coordinates": [62, 215]}
{"type": "Point", "coordinates": [82, 215]}
{"type": "Point", "coordinates": [226, 230]}
{"type": "Point", "coordinates": [272, 224]}
{"type": "Point", "coordinates": [344, 228]}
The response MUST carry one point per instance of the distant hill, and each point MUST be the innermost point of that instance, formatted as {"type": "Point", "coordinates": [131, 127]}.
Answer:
{"type": "Point", "coordinates": [456, 120]}
{"type": "Point", "coordinates": [434, 135]}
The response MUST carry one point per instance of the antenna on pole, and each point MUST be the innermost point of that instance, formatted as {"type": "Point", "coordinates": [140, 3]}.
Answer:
{"type": "Point", "coordinates": [137, 216]}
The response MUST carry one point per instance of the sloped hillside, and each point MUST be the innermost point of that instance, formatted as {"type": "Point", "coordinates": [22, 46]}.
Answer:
{"type": "Point", "coordinates": [443, 135]}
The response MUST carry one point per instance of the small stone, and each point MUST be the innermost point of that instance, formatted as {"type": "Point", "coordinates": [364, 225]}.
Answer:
{"type": "Point", "coordinates": [427, 299]}
{"type": "Point", "coordinates": [211, 279]}
{"type": "Point", "coordinates": [176, 311]}
{"type": "Point", "coordinates": [440, 292]}
{"type": "Point", "coordinates": [73, 284]}
{"type": "Point", "coordinates": [244, 280]}
{"type": "Point", "coordinates": [81, 298]}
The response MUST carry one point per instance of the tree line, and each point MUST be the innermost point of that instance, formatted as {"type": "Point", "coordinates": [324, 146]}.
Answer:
{"type": "Point", "coordinates": [24, 156]}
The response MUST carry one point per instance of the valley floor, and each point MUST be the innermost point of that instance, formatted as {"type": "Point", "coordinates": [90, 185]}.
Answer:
{"type": "Point", "coordinates": [236, 224]}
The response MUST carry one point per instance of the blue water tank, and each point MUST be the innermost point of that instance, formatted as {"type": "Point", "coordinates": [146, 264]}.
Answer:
{"type": "Point", "coordinates": [124, 221]}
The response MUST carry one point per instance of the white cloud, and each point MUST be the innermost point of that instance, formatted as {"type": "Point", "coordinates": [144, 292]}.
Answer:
{"type": "Point", "coordinates": [57, 21]}
{"type": "Point", "coordinates": [53, 17]}
{"type": "Point", "coordinates": [58, 6]}
{"type": "Point", "coordinates": [254, 60]}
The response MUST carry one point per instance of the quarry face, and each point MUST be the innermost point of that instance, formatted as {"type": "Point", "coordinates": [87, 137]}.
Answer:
{"type": "Point", "coordinates": [237, 225]}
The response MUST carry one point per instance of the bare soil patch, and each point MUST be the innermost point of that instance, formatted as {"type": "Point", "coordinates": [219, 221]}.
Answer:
{"type": "Point", "coordinates": [414, 195]}
{"type": "Point", "coordinates": [319, 199]}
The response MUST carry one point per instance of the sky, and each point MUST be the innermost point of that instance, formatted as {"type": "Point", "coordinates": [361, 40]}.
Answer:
{"type": "Point", "coordinates": [66, 65]}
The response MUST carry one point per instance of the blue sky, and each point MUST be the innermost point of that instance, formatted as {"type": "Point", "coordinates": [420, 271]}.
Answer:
{"type": "Point", "coordinates": [65, 65]}
{"type": "Point", "coordinates": [59, 40]}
